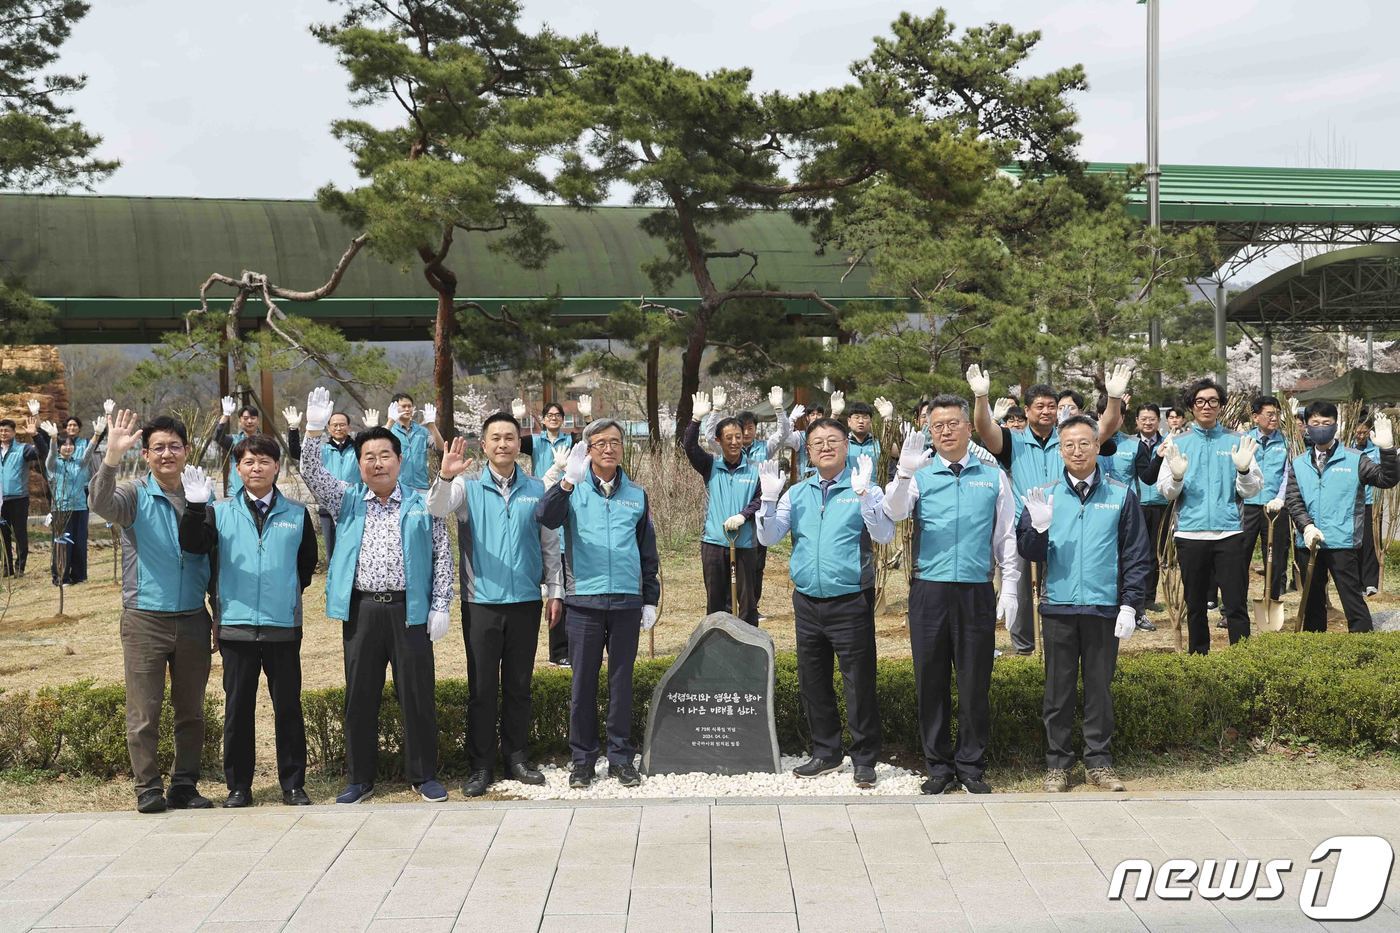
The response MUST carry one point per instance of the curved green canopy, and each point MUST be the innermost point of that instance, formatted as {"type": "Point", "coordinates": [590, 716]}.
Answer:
{"type": "Point", "coordinates": [1356, 286]}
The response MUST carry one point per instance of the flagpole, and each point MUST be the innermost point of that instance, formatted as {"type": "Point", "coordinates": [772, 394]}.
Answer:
{"type": "Point", "coordinates": [1154, 168]}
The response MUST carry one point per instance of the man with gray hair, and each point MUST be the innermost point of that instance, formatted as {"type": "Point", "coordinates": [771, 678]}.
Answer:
{"type": "Point", "coordinates": [611, 588]}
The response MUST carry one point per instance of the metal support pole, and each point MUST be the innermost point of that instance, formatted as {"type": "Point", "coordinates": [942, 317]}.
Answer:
{"type": "Point", "coordinates": [1370, 347]}
{"type": "Point", "coordinates": [1266, 363]}
{"type": "Point", "coordinates": [1220, 366]}
{"type": "Point", "coordinates": [1154, 167]}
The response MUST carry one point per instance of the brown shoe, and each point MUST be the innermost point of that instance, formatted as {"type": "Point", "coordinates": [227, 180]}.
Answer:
{"type": "Point", "coordinates": [1104, 778]}
{"type": "Point", "coordinates": [1056, 781]}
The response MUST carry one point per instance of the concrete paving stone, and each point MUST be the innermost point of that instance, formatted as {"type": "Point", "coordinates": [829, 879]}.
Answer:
{"type": "Point", "coordinates": [1013, 811]}
{"type": "Point", "coordinates": [910, 889]}
{"type": "Point", "coordinates": [740, 812]}
{"type": "Point", "coordinates": [303, 850]}
{"type": "Point", "coordinates": [54, 877]}
{"type": "Point", "coordinates": [106, 911]}
{"type": "Point", "coordinates": [392, 829]}
{"type": "Point", "coordinates": [364, 870]}
{"type": "Point", "coordinates": [672, 866]}
{"type": "Point", "coordinates": [666, 921]}
{"type": "Point", "coordinates": [427, 892]}
{"type": "Point", "coordinates": [681, 902]}
{"type": "Point", "coordinates": [1383, 920]}
{"type": "Point", "coordinates": [501, 921]}
{"type": "Point", "coordinates": [56, 832]}
{"type": "Point", "coordinates": [15, 860]}
{"type": "Point", "coordinates": [252, 835]}
{"type": "Point", "coordinates": [674, 825]}
{"type": "Point", "coordinates": [970, 861]}
{"type": "Point", "coordinates": [600, 888]}
{"type": "Point", "coordinates": [266, 895]}
{"type": "Point", "coordinates": [168, 914]}
{"type": "Point", "coordinates": [9, 827]}
{"type": "Point", "coordinates": [1094, 821]}
{"type": "Point", "coordinates": [827, 919]}
{"type": "Point", "coordinates": [105, 838]}
{"type": "Point", "coordinates": [606, 818]}
{"type": "Point", "coordinates": [1071, 887]}
{"type": "Point", "coordinates": [16, 916]}
{"type": "Point", "coordinates": [924, 921]}
{"type": "Point", "coordinates": [588, 845]}
{"type": "Point", "coordinates": [747, 923]}
{"type": "Point", "coordinates": [154, 856]}
{"type": "Point", "coordinates": [1245, 819]}
{"type": "Point", "coordinates": [207, 873]}
{"type": "Point", "coordinates": [1108, 853]}
{"type": "Point", "coordinates": [473, 817]}
{"type": "Point", "coordinates": [503, 864]}
{"type": "Point", "coordinates": [1099, 923]}
{"type": "Point", "coordinates": [752, 889]}
{"type": "Point", "coordinates": [828, 815]}
{"type": "Point", "coordinates": [881, 812]}
{"type": "Point", "coordinates": [841, 854]}
{"type": "Point", "coordinates": [584, 923]}
{"type": "Point", "coordinates": [241, 926]}
{"type": "Point", "coordinates": [1042, 924]}
{"type": "Point", "coordinates": [334, 910]}
{"type": "Point", "coordinates": [416, 925]}
{"type": "Point", "coordinates": [444, 846]}
{"type": "Point", "coordinates": [892, 843]}
{"type": "Point", "coordinates": [331, 819]}
{"type": "Point", "coordinates": [1146, 810]}
{"type": "Point", "coordinates": [957, 823]}
{"type": "Point", "coordinates": [1032, 842]}
{"type": "Point", "coordinates": [533, 828]}
{"type": "Point", "coordinates": [1196, 834]}
{"type": "Point", "coordinates": [190, 823]}
{"type": "Point", "coordinates": [1166, 921]}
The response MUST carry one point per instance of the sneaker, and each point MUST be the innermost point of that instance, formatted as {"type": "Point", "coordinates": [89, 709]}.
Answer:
{"type": "Point", "coordinates": [187, 797]}
{"type": "Point", "coordinates": [626, 774]}
{"type": "Point", "coordinates": [975, 786]}
{"type": "Point", "coordinates": [938, 784]}
{"type": "Point", "coordinates": [1144, 625]}
{"type": "Point", "coordinates": [1104, 778]}
{"type": "Point", "coordinates": [1370, 591]}
{"type": "Point", "coordinates": [356, 793]}
{"type": "Point", "coordinates": [865, 776]}
{"type": "Point", "coordinates": [581, 776]}
{"type": "Point", "coordinates": [1057, 781]}
{"type": "Point", "coordinates": [151, 801]}
{"type": "Point", "coordinates": [816, 767]}
{"type": "Point", "coordinates": [431, 791]}
{"type": "Point", "coordinates": [762, 618]}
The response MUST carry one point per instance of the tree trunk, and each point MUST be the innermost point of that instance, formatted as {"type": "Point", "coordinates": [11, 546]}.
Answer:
{"type": "Point", "coordinates": [443, 331]}
{"type": "Point", "coordinates": [690, 367]}
{"type": "Point", "coordinates": [654, 392]}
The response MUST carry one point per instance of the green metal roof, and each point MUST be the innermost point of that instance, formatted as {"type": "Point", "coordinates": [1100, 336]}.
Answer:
{"type": "Point", "coordinates": [1355, 286]}
{"type": "Point", "coordinates": [126, 269]}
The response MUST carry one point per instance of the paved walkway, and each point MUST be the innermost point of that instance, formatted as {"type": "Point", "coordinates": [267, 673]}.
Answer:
{"type": "Point", "coordinates": [1014, 862]}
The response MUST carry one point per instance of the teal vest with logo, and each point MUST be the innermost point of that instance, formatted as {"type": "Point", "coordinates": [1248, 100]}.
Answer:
{"type": "Point", "coordinates": [167, 579]}
{"type": "Point", "coordinates": [14, 471]}
{"type": "Point", "coordinates": [416, 529]}
{"type": "Point", "coordinates": [603, 556]}
{"type": "Point", "coordinates": [1272, 457]}
{"type": "Point", "coordinates": [1033, 465]}
{"type": "Point", "coordinates": [413, 453]}
{"type": "Point", "coordinates": [831, 553]}
{"type": "Point", "coordinates": [954, 522]}
{"type": "Point", "coordinates": [729, 489]}
{"type": "Point", "coordinates": [502, 540]}
{"type": "Point", "coordinates": [340, 463]}
{"type": "Point", "coordinates": [1331, 497]}
{"type": "Point", "coordinates": [544, 452]}
{"type": "Point", "coordinates": [258, 582]}
{"type": "Point", "coordinates": [1081, 568]}
{"type": "Point", "coordinates": [1208, 501]}
{"type": "Point", "coordinates": [68, 482]}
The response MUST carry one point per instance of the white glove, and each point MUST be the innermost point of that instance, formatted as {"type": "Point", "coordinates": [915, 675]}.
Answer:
{"type": "Point", "coordinates": [884, 407]}
{"type": "Point", "coordinates": [1000, 409]}
{"type": "Point", "coordinates": [554, 473]}
{"type": "Point", "coordinates": [978, 381]}
{"type": "Point", "coordinates": [1176, 460]}
{"type": "Point", "coordinates": [394, 411]}
{"type": "Point", "coordinates": [1312, 537]}
{"type": "Point", "coordinates": [913, 455]}
{"type": "Point", "coordinates": [648, 618]}
{"type": "Point", "coordinates": [771, 480]}
{"type": "Point", "coordinates": [699, 406]}
{"type": "Point", "coordinates": [734, 522]}
{"type": "Point", "coordinates": [198, 486]}
{"type": "Point", "coordinates": [838, 403]}
{"type": "Point", "coordinates": [1274, 506]}
{"type": "Point", "coordinates": [576, 467]}
{"type": "Point", "coordinates": [439, 621]}
{"type": "Point", "coordinates": [99, 424]}
{"type": "Point", "coordinates": [1243, 454]}
{"type": "Point", "coordinates": [34, 406]}
{"type": "Point", "coordinates": [319, 409]}
{"type": "Point", "coordinates": [1126, 624]}
{"type": "Point", "coordinates": [1117, 381]}
{"type": "Point", "coordinates": [860, 476]}
{"type": "Point", "coordinates": [371, 417]}
{"type": "Point", "coordinates": [1041, 507]}
{"type": "Point", "coordinates": [429, 413]}
{"type": "Point", "coordinates": [228, 405]}
{"type": "Point", "coordinates": [49, 428]}
{"type": "Point", "coordinates": [109, 406]}
{"type": "Point", "coordinates": [48, 520]}
{"type": "Point", "coordinates": [1065, 413]}
{"type": "Point", "coordinates": [775, 397]}
{"type": "Point", "coordinates": [585, 406]}
{"type": "Point", "coordinates": [292, 416]}
{"type": "Point", "coordinates": [797, 412]}
{"type": "Point", "coordinates": [1383, 433]}
{"type": "Point", "coordinates": [1007, 607]}
{"type": "Point", "coordinates": [719, 395]}
{"type": "Point", "coordinates": [517, 409]}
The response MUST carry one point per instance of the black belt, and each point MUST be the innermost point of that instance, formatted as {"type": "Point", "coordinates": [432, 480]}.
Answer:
{"type": "Point", "coordinates": [381, 596]}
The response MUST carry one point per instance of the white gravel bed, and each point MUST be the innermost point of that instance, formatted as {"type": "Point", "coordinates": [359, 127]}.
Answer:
{"type": "Point", "coordinates": [892, 780]}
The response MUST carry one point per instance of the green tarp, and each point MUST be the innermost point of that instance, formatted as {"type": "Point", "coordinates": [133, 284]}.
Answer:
{"type": "Point", "coordinates": [1357, 385]}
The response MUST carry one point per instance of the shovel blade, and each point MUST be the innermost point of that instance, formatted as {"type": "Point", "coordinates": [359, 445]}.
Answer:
{"type": "Point", "coordinates": [1268, 615]}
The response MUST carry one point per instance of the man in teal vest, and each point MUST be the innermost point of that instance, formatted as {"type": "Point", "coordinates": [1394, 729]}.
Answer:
{"type": "Point", "coordinates": [1033, 457]}
{"type": "Point", "coordinates": [15, 460]}
{"type": "Point", "coordinates": [964, 524]}
{"type": "Point", "coordinates": [1155, 507]}
{"type": "Point", "coordinates": [338, 456]}
{"type": "Point", "coordinates": [834, 516]}
{"type": "Point", "coordinates": [1327, 501]}
{"type": "Point", "coordinates": [390, 583]}
{"type": "Point", "coordinates": [1210, 473]}
{"type": "Point", "coordinates": [1260, 511]}
{"type": "Point", "coordinates": [249, 423]}
{"type": "Point", "coordinates": [1088, 530]}
{"type": "Point", "coordinates": [1370, 563]}
{"type": "Point", "coordinates": [506, 558]}
{"type": "Point", "coordinates": [414, 439]}
{"type": "Point", "coordinates": [165, 625]}
{"type": "Point", "coordinates": [69, 473]}
{"type": "Point", "coordinates": [731, 490]}
{"type": "Point", "coordinates": [254, 540]}
{"type": "Point", "coordinates": [611, 589]}
{"type": "Point", "coordinates": [862, 442]}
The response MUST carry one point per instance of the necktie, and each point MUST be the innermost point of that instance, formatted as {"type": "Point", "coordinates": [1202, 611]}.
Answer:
{"type": "Point", "coordinates": [607, 487]}
{"type": "Point", "coordinates": [957, 469]}
{"type": "Point", "coordinates": [262, 507]}
{"type": "Point", "coordinates": [1082, 487]}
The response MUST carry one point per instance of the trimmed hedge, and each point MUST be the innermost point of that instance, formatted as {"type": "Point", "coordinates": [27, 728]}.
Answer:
{"type": "Point", "coordinates": [1336, 690]}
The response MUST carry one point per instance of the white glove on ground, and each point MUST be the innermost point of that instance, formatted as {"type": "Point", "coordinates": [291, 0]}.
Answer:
{"type": "Point", "coordinates": [576, 467]}
{"type": "Point", "coordinates": [1126, 624]}
{"type": "Point", "coordinates": [648, 618]}
{"type": "Point", "coordinates": [771, 480]}
{"type": "Point", "coordinates": [198, 486]}
{"type": "Point", "coordinates": [978, 381]}
{"type": "Point", "coordinates": [860, 476]}
{"type": "Point", "coordinates": [1312, 537]}
{"type": "Point", "coordinates": [838, 403]}
{"type": "Point", "coordinates": [699, 406]}
{"type": "Point", "coordinates": [1041, 507]}
{"type": "Point", "coordinates": [1243, 454]}
{"type": "Point", "coordinates": [439, 621]}
{"type": "Point", "coordinates": [734, 522]}
{"type": "Point", "coordinates": [319, 409]}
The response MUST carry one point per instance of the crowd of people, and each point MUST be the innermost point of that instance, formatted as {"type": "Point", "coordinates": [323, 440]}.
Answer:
{"type": "Point", "coordinates": [1054, 521]}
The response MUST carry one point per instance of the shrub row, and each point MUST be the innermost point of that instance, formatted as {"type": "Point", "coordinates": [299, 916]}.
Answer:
{"type": "Point", "coordinates": [1336, 690]}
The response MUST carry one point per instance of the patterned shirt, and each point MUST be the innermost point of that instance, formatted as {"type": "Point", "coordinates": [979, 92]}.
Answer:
{"type": "Point", "coordinates": [380, 564]}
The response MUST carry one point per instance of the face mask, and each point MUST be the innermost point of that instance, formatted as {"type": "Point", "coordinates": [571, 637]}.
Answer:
{"type": "Point", "coordinates": [1321, 435]}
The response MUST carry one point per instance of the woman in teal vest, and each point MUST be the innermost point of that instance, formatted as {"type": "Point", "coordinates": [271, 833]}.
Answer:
{"type": "Point", "coordinates": [69, 473]}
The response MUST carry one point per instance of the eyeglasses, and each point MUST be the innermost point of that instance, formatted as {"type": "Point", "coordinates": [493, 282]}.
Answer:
{"type": "Point", "coordinates": [173, 449]}
{"type": "Point", "coordinates": [941, 426]}
{"type": "Point", "coordinates": [1206, 403]}
{"type": "Point", "coordinates": [824, 445]}
{"type": "Point", "coordinates": [1074, 446]}
{"type": "Point", "coordinates": [606, 445]}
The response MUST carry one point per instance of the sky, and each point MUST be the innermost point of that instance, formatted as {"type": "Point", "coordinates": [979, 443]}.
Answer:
{"type": "Point", "coordinates": [234, 98]}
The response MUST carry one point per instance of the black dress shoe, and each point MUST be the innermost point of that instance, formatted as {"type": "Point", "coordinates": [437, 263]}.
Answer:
{"type": "Point", "coordinates": [238, 798]}
{"type": "Point", "coordinates": [626, 775]}
{"type": "Point", "coordinates": [938, 784]}
{"type": "Point", "coordinates": [816, 767]}
{"type": "Point", "coordinates": [151, 801]}
{"type": "Point", "coordinates": [477, 782]}
{"type": "Point", "coordinates": [975, 785]}
{"type": "Point", "coordinates": [525, 773]}
{"type": "Point", "coordinates": [296, 797]}
{"type": "Point", "coordinates": [187, 797]}
{"type": "Point", "coordinates": [580, 776]}
{"type": "Point", "coordinates": [864, 776]}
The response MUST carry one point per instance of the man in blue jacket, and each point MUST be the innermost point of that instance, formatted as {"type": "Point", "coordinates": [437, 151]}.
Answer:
{"type": "Point", "coordinates": [731, 488]}
{"type": "Point", "coordinates": [1262, 508]}
{"type": "Point", "coordinates": [1088, 530]}
{"type": "Point", "coordinates": [611, 589]}
{"type": "Point", "coordinates": [506, 557]}
{"type": "Point", "coordinates": [1155, 507]}
{"type": "Point", "coordinates": [165, 624]}
{"type": "Point", "coordinates": [964, 523]}
{"type": "Point", "coordinates": [834, 516]}
{"type": "Point", "coordinates": [1326, 499]}
{"type": "Point", "coordinates": [255, 539]}
{"type": "Point", "coordinates": [1210, 473]}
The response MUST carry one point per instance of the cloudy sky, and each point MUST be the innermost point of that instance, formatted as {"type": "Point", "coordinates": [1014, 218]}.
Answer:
{"type": "Point", "coordinates": [233, 98]}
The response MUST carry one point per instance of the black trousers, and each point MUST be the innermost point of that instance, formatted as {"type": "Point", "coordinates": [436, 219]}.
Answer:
{"type": "Point", "coordinates": [1344, 566]}
{"type": "Point", "coordinates": [1076, 644]}
{"type": "Point", "coordinates": [1206, 565]}
{"type": "Point", "coordinates": [758, 575]}
{"type": "Point", "coordinates": [1156, 518]}
{"type": "Point", "coordinates": [74, 525]}
{"type": "Point", "coordinates": [590, 631]}
{"type": "Point", "coordinates": [1370, 564]}
{"type": "Point", "coordinates": [281, 662]}
{"type": "Point", "coordinates": [501, 642]}
{"type": "Point", "coordinates": [839, 629]}
{"type": "Point", "coordinates": [714, 563]}
{"type": "Point", "coordinates": [15, 531]}
{"type": "Point", "coordinates": [327, 521]}
{"type": "Point", "coordinates": [377, 635]}
{"type": "Point", "coordinates": [1256, 528]}
{"type": "Point", "coordinates": [953, 626]}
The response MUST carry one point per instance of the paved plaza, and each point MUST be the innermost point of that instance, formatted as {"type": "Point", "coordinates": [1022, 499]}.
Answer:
{"type": "Point", "coordinates": [1014, 862]}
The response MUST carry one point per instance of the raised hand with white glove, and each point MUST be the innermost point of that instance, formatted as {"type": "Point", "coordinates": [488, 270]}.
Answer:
{"type": "Point", "coordinates": [797, 412]}
{"type": "Point", "coordinates": [319, 409]}
{"type": "Point", "coordinates": [198, 486]}
{"type": "Point", "coordinates": [1176, 461]}
{"type": "Point", "coordinates": [49, 428]}
{"type": "Point", "coordinates": [1243, 454]}
{"type": "Point", "coordinates": [699, 406]}
{"type": "Point", "coordinates": [1312, 537]}
{"type": "Point", "coordinates": [771, 480]}
{"type": "Point", "coordinates": [109, 406]}
{"type": "Point", "coordinates": [585, 406]}
{"type": "Point", "coordinates": [1274, 506]}
{"type": "Point", "coordinates": [838, 403]}
{"type": "Point", "coordinates": [1007, 606]}
{"type": "Point", "coordinates": [34, 407]}
{"type": "Point", "coordinates": [978, 381]}
{"type": "Point", "coordinates": [395, 410]}
{"type": "Point", "coordinates": [719, 395]}
{"type": "Point", "coordinates": [439, 621]}
{"type": "Point", "coordinates": [429, 413]}
{"type": "Point", "coordinates": [913, 455]}
{"type": "Point", "coordinates": [1041, 508]}
{"type": "Point", "coordinates": [775, 397]}
{"type": "Point", "coordinates": [648, 618]}
{"type": "Point", "coordinates": [860, 476]}
{"type": "Point", "coordinates": [1117, 382]}
{"type": "Point", "coordinates": [885, 407]}
{"type": "Point", "coordinates": [371, 417]}
{"type": "Point", "coordinates": [1383, 432]}
{"type": "Point", "coordinates": [517, 409]}
{"type": "Point", "coordinates": [292, 416]}
{"type": "Point", "coordinates": [1126, 623]}
{"type": "Point", "coordinates": [1000, 409]}
{"type": "Point", "coordinates": [734, 522]}
{"type": "Point", "coordinates": [99, 424]}
{"type": "Point", "coordinates": [228, 405]}
{"type": "Point", "coordinates": [576, 467]}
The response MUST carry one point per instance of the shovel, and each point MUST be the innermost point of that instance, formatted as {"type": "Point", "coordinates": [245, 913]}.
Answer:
{"type": "Point", "coordinates": [733, 573]}
{"type": "Point", "coordinates": [1307, 588]}
{"type": "Point", "coordinates": [1036, 631]}
{"type": "Point", "coordinates": [1268, 612]}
